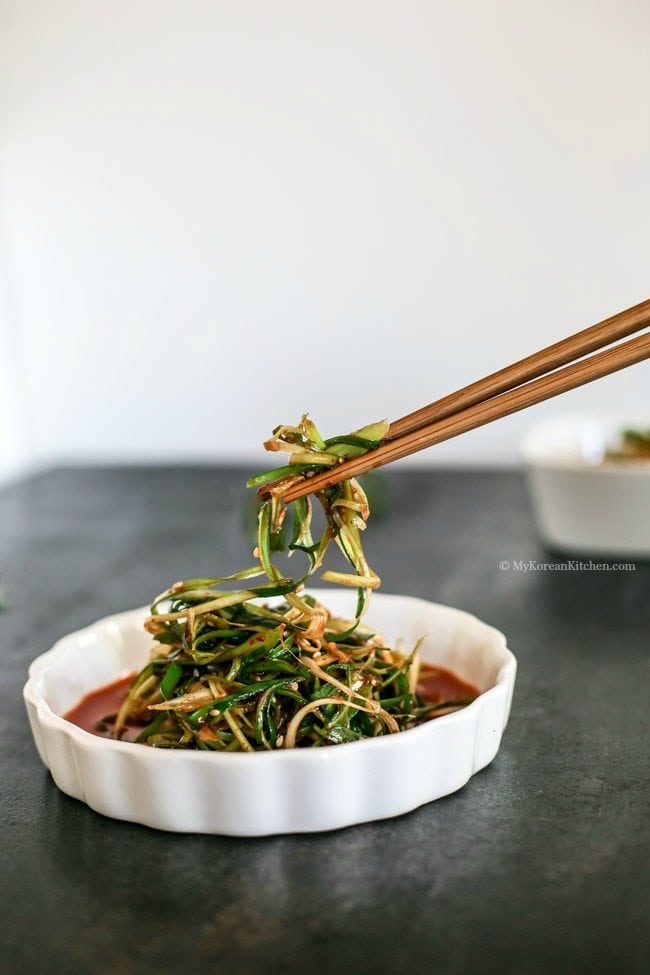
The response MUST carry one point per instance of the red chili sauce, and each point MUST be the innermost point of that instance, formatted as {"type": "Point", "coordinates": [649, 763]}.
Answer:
{"type": "Point", "coordinates": [96, 711]}
{"type": "Point", "coordinates": [437, 684]}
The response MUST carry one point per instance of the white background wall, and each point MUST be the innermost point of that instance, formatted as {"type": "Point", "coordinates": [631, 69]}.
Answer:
{"type": "Point", "coordinates": [219, 213]}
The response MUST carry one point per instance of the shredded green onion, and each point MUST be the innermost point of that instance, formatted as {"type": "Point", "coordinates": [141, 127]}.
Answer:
{"type": "Point", "coordinates": [231, 673]}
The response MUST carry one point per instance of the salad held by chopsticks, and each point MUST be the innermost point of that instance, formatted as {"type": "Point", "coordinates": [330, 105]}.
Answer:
{"type": "Point", "coordinates": [230, 672]}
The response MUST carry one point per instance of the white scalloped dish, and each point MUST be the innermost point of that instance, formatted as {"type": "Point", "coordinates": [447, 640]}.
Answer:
{"type": "Point", "coordinates": [286, 791]}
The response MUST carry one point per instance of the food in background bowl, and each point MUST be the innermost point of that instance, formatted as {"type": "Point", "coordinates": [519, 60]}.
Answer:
{"type": "Point", "coordinates": [631, 445]}
{"type": "Point", "coordinates": [585, 501]}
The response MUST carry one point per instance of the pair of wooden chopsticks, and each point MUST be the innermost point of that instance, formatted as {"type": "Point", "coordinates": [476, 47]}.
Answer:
{"type": "Point", "coordinates": [538, 377]}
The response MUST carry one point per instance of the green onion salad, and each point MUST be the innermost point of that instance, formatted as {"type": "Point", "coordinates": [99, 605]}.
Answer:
{"type": "Point", "coordinates": [232, 672]}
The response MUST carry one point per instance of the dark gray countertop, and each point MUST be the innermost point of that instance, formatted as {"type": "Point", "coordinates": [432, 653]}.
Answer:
{"type": "Point", "coordinates": [540, 864]}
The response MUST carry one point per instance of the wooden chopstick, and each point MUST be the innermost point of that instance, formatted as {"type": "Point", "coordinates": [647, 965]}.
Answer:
{"type": "Point", "coordinates": [552, 357]}
{"type": "Point", "coordinates": [496, 396]}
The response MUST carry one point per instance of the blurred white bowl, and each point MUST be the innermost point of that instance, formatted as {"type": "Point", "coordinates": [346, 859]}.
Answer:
{"type": "Point", "coordinates": [285, 791]}
{"type": "Point", "coordinates": [583, 503]}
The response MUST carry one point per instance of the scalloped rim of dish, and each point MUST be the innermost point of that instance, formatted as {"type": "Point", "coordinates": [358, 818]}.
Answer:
{"type": "Point", "coordinates": [70, 753]}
